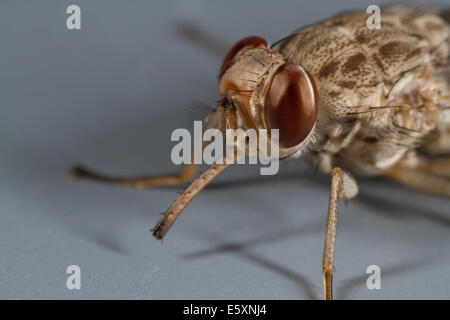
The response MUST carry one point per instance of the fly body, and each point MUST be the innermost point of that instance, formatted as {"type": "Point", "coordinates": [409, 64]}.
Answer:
{"type": "Point", "coordinates": [384, 93]}
{"type": "Point", "coordinates": [346, 97]}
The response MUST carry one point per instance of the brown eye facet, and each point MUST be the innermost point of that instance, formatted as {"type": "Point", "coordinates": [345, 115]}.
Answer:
{"type": "Point", "coordinates": [244, 44]}
{"type": "Point", "coordinates": [291, 104]}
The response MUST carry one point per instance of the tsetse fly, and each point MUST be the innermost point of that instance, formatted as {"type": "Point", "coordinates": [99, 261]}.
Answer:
{"type": "Point", "coordinates": [345, 97]}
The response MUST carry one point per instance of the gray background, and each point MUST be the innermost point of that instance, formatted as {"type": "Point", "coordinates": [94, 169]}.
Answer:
{"type": "Point", "coordinates": [109, 96]}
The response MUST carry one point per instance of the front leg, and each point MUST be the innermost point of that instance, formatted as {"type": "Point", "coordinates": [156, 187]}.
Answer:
{"type": "Point", "coordinates": [138, 182]}
{"type": "Point", "coordinates": [343, 186]}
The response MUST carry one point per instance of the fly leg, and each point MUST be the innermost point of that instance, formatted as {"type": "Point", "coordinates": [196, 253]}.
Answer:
{"type": "Point", "coordinates": [426, 175]}
{"type": "Point", "coordinates": [438, 166]}
{"type": "Point", "coordinates": [201, 37]}
{"type": "Point", "coordinates": [221, 118]}
{"type": "Point", "coordinates": [138, 182]}
{"type": "Point", "coordinates": [343, 186]}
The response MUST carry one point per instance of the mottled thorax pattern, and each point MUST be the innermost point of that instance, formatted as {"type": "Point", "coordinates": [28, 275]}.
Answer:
{"type": "Point", "coordinates": [382, 92]}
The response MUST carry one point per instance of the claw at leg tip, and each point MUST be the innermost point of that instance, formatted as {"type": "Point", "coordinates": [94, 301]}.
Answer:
{"type": "Point", "coordinates": [72, 175]}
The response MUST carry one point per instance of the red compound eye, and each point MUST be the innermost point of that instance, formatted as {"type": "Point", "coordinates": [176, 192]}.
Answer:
{"type": "Point", "coordinates": [291, 104]}
{"type": "Point", "coordinates": [244, 44]}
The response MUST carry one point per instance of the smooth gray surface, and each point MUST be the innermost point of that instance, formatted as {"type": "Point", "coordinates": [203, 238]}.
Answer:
{"type": "Point", "coordinates": [109, 96]}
